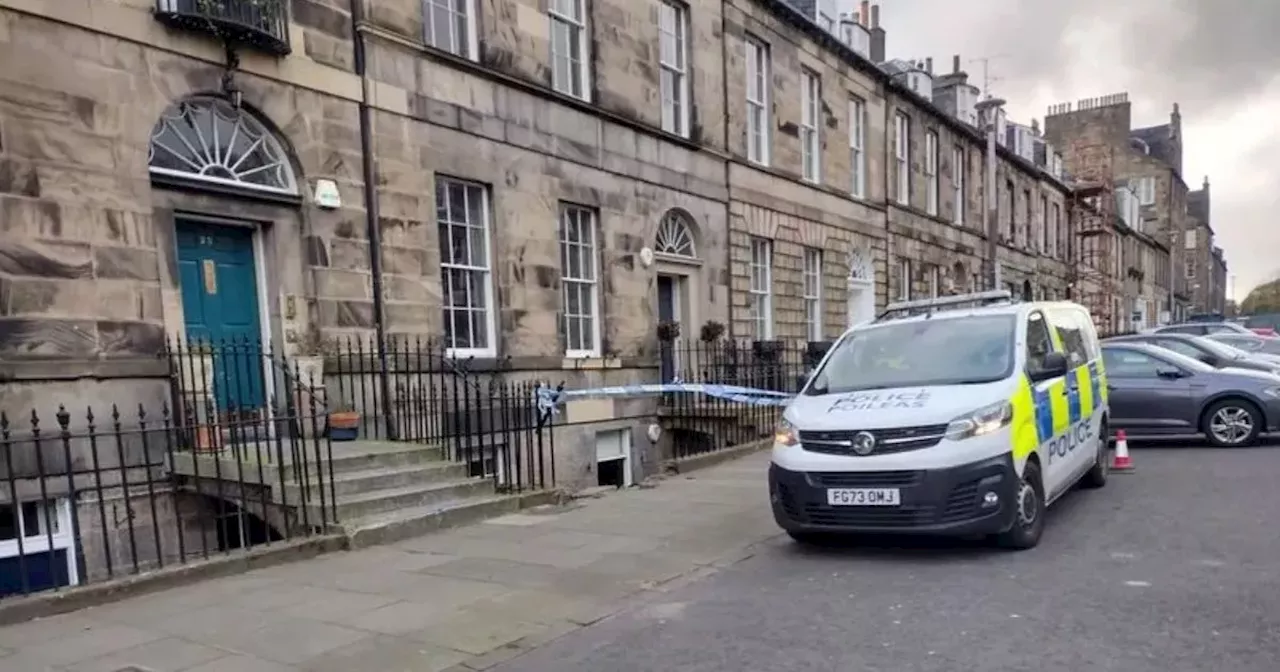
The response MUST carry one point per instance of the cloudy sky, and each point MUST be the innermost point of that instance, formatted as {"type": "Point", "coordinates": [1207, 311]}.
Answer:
{"type": "Point", "coordinates": [1218, 59]}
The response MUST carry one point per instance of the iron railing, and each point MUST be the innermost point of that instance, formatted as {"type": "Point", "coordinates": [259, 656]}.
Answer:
{"type": "Point", "coordinates": [263, 24]}
{"type": "Point", "coordinates": [88, 495]}
{"type": "Point", "coordinates": [702, 424]}
{"type": "Point", "coordinates": [483, 420]}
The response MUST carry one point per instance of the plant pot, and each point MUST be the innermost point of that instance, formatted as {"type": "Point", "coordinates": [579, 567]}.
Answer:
{"type": "Point", "coordinates": [344, 425]}
{"type": "Point", "coordinates": [208, 439]}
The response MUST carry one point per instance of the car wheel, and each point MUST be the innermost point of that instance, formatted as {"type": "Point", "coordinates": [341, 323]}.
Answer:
{"type": "Point", "coordinates": [1028, 521]}
{"type": "Point", "coordinates": [1097, 476]}
{"type": "Point", "coordinates": [1232, 423]}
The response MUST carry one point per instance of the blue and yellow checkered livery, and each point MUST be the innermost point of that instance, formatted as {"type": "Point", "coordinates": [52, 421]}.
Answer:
{"type": "Point", "coordinates": [1041, 414]}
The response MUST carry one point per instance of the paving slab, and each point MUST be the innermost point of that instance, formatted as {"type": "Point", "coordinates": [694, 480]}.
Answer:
{"type": "Point", "coordinates": [463, 599]}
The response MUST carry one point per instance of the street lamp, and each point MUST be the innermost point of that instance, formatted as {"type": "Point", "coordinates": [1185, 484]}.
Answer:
{"type": "Point", "coordinates": [988, 113]}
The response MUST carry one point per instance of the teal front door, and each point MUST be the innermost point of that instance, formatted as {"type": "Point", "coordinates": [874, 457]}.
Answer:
{"type": "Point", "coordinates": [220, 305]}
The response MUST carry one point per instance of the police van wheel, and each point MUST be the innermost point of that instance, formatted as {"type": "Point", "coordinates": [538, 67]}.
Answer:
{"type": "Point", "coordinates": [1097, 476]}
{"type": "Point", "coordinates": [1028, 520]}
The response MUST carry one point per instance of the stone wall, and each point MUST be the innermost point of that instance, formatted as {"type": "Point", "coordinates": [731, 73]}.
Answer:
{"type": "Point", "coordinates": [87, 252]}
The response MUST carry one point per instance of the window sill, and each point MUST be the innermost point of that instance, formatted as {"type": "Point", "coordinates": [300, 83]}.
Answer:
{"type": "Point", "coordinates": [590, 362]}
{"type": "Point", "coordinates": [471, 353]}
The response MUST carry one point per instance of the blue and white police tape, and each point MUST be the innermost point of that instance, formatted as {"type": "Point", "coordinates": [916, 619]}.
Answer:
{"type": "Point", "coordinates": [550, 398]}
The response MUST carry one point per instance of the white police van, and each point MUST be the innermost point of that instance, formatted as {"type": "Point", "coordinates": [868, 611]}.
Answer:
{"type": "Point", "coordinates": [964, 415]}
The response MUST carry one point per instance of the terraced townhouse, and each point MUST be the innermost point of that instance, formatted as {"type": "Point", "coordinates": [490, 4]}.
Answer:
{"type": "Point", "coordinates": [539, 185]}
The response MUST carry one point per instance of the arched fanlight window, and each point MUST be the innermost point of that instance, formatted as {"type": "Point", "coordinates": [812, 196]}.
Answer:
{"type": "Point", "coordinates": [207, 139]}
{"type": "Point", "coordinates": [675, 236]}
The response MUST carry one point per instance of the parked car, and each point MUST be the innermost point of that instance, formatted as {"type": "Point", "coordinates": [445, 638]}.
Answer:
{"type": "Point", "coordinates": [1251, 343]}
{"type": "Point", "coordinates": [1265, 324]}
{"type": "Point", "coordinates": [1156, 392]}
{"type": "Point", "coordinates": [1213, 353]}
{"type": "Point", "coordinates": [1202, 328]}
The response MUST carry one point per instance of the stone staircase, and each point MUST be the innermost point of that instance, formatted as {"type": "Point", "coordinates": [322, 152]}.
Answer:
{"type": "Point", "coordinates": [381, 491]}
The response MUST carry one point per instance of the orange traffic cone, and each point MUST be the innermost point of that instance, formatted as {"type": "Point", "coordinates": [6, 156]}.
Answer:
{"type": "Point", "coordinates": [1122, 461]}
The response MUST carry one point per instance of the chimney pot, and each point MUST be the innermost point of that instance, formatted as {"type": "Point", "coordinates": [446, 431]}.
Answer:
{"type": "Point", "coordinates": [864, 11]}
{"type": "Point", "coordinates": [928, 65]}
{"type": "Point", "coordinates": [955, 64]}
{"type": "Point", "coordinates": [875, 16]}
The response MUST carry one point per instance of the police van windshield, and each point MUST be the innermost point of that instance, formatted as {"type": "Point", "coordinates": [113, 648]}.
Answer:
{"type": "Point", "coordinates": [919, 353]}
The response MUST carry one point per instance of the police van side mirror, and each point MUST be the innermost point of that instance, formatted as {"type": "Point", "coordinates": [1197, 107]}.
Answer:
{"type": "Point", "coordinates": [1052, 365]}
{"type": "Point", "coordinates": [1170, 373]}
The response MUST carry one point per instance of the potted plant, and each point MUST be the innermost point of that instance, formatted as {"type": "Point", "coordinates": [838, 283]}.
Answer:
{"type": "Point", "coordinates": [343, 423]}
{"type": "Point", "coordinates": [668, 331]}
{"type": "Point", "coordinates": [711, 332]}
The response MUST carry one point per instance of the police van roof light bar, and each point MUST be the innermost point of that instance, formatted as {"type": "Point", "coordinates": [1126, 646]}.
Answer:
{"type": "Point", "coordinates": [929, 306]}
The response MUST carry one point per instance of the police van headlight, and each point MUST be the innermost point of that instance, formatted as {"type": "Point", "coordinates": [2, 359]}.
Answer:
{"type": "Point", "coordinates": [982, 421]}
{"type": "Point", "coordinates": [785, 434]}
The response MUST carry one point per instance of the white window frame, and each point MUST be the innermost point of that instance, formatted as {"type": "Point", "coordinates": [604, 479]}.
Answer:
{"type": "Point", "coordinates": [958, 168]}
{"type": "Point", "coordinates": [759, 116]}
{"type": "Point", "coordinates": [1146, 190]}
{"type": "Point", "coordinates": [813, 293]}
{"type": "Point", "coordinates": [673, 32]}
{"type": "Point", "coordinates": [577, 343]}
{"type": "Point", "coordinates": [39, 541]}
{"type": "Point", "coordinates": [1044, 224]}
{"type": "Point", "coordinates": [902, 156]}
{"type": "Point", "coordinates": [931, 171]}
{"type": "Point", "coordinates": [904, 279]}
{"type": "Point", "coordinates": [573, 15]}
{"type": "Point", "coordinates": [857, 146]}
{"type": "Point", "coordinates": [1060, 241]}
{"type": "Point", "coordinates": [486, 271]}
{"type": "Point", "coordinates": [935, 282]}
{"type": "Point", "coordinates": [466, 45]}
{"type": "Point", "coordinates": [761, 288]}
{"type": "Point", "coordinates": [810, 140]}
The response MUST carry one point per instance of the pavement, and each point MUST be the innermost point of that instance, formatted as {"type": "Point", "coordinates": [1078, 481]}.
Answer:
{"type": "Point", "coordinates": [464, 599]}
{"type": "Point", "coordinates": [1169, 569]}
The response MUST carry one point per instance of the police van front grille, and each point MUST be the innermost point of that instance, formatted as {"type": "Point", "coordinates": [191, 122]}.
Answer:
{"type": "Point", "coordinates": [896, 440]}
{"type": "Point", "coordinates": [865, 479]}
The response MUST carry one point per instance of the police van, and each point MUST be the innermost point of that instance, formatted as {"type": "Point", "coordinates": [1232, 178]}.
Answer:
{"type": "Point", "coordinates": [964, 415]}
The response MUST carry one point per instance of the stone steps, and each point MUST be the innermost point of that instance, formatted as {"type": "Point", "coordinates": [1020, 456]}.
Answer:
{"type": "Point", "coordinates": [378, 490]}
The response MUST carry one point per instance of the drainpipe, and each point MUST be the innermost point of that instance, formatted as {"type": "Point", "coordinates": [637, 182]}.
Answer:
{"type": "Point", "coordinates": [728, 166]}
{"type": "Point", "coordinates": [371, 215]}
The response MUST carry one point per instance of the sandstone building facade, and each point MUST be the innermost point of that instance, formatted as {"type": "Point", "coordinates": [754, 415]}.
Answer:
{"type": "Point", "coordinates": [539, 183]}
{"type": "Point", "coordinates": [1100, 143]}
{"type": "Point", "coordinates": [757, 158]}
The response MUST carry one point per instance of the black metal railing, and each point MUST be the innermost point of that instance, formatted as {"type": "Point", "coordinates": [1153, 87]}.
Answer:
{"type": "Point", "coordinates": [701, 423]}
{"type": "Point", "coordinates": [91, 494]}
{"type": "Point", "coordinates": [480, 418]}
{"type": "Point", "coordinates": [262, 24]}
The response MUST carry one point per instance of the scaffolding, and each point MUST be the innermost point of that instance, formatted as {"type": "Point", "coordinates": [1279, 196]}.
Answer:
{"type": "Point", "coordinates": [1097, 277]}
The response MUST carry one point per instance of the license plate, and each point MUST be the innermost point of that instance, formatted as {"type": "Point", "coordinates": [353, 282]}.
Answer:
{"type": "Point", "coordinates": [863, 497]}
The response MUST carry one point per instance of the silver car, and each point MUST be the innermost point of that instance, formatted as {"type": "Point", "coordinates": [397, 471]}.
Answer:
{"type": "Point", "coordinates": [1202, 328]}
{"type": "Point", "coordinates": [1213, 353]}
{"type": "Point", "coordinates": [1154, 392]}
{"type": "Point", "coordinates": [1258, 346]}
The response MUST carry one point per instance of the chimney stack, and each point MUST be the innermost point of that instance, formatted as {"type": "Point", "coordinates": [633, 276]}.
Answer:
{"type": "Point", "coordinates": [864, 11]}
{"type": "Point", "coordinates": [955, 64]}
{"type": "Point", "coordinates": [877, 36]}
{"type": "Point", "coordinates": [928, 65]}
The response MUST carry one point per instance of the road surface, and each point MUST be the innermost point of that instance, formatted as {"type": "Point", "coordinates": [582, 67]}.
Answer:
{"type": "Point", "coordinates": [1174, 568]}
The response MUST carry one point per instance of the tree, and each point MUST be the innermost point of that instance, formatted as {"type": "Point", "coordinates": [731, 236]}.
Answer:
{"type": "Point", "coordinates": [1264, 298]}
